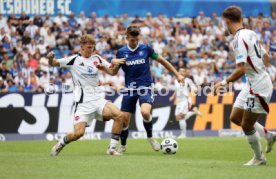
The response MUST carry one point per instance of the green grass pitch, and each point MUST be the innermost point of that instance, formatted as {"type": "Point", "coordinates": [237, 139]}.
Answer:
{"type": "Point", "coordinates": [196, 158]}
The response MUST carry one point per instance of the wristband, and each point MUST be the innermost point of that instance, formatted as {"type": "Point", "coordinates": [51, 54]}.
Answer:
{"type": "Point", "coordinates": [223, 83]}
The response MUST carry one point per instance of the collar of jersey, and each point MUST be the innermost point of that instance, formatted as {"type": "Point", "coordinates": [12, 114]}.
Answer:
{"type": "Point", "coordinates": [134, 48]}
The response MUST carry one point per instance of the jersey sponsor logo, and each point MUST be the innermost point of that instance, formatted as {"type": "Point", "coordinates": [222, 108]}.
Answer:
{"type": "Point", "coordinates": [136, 62]}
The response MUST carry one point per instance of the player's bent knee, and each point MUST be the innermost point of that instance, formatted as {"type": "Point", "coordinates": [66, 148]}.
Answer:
{"type": "Point", "coordinates": [246, 127]}
{"type": "Point", "coordinates": [145, 114]}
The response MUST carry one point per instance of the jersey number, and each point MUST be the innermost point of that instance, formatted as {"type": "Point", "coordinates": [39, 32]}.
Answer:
{"type": "Point", "coordinates": [257, 48]}
{"type": "Point", "coordinates": [250, 103]}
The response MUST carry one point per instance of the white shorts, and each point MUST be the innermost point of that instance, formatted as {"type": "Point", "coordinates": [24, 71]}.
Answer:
{"type": "Point", "coordinates": [87, 111]}
{"type": "Point", "coordinates": [252, 103]}
{"type": "Point", "coordinates": [183, 107]}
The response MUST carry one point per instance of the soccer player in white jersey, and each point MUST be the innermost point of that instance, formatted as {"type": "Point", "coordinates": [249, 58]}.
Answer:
{"type": "Point", "coordinates": [89, 98]}
{"type": "Point", "coordinates": [253, 100]}
{"type": "Point", "coordinates": [183, 110]}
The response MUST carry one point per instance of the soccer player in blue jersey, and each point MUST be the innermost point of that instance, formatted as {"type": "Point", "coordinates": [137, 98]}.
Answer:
{"type": "Point", "coordinates": [139, 82]}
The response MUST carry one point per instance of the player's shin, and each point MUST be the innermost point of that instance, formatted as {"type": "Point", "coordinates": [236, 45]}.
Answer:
{"type": "Point", "coordinates": [253, 138]}
{"type": "Point", "coordinates": [261, 129]}
{"type": "Point", "coordinates": [124, 136]}
{"type": "Point", "coordinates": [148, 126]}
{"type": "Point", "coordinates": [183, 126]}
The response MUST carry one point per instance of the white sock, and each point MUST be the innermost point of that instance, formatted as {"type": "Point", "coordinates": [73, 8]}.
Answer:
{"type": "Point", "coordinates": [189, 114]}
{"type": "Point", "coordinates": [253, 138]}
{"type": "Point", "coordinates": [183, 126]}
{"type": "Point", "coordinates": [261, 130]}
{"type": "Point", "coordinates": [113, 143]}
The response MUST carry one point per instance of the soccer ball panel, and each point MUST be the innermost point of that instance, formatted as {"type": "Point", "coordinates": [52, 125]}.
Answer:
{"type": "Point", "coordinates": [169, 146]}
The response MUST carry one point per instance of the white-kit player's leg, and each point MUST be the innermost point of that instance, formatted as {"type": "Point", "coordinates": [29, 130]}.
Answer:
{"type": "Point", "coordinates": [183, 128]}
{"type": "Point", "coordinates": [253, 137]}
{"type": "Point", "coordinates": [268, 135]}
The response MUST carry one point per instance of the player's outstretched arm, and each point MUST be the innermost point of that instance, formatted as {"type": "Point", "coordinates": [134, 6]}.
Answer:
{"type": "Point", "coordinates": [114, 68]}
{"type": "Point", "coordinates": [169, 67]}
{"type": "Point", "coordinates": [266, 58]}
{"type": "Point", "coordinates": [237, 74]}
{"type": "Point", "coordinates": [52, 59]}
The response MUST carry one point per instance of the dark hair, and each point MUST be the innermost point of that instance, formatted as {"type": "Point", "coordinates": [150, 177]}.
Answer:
{"type": "Point", "coordinates": [133, 31]}
{"type": "Point", "coordinates": [233, 13]}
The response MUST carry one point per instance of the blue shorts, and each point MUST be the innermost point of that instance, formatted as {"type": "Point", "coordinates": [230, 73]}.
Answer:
{"type": "Point", "coordinates": [130, 99]}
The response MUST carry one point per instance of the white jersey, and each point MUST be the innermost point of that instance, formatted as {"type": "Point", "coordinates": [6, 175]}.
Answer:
{"type": "Point", "coordinates": [247, 49]}
{"type": "Point", "coordinates": [85, 76]}
{"type": "Point", "coordinates": [183, 91]}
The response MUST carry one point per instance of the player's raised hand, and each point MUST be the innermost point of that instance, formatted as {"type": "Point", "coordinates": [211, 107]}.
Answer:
{"type": "Point", "coordinates": [100, 67]}
{"type": "Point", "coordinates": [215, 88]}
{"type": "Point", "coordinates": [51, 55]}
{"type": "Point", "coordinates": [118, 61]}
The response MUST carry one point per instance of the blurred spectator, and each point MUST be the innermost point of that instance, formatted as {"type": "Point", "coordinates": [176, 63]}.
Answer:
{"type": "Point", "coordinates": [12, 88]}
{"type": "Point", "coordinates": [82, 20]}
{"type": "Point", "coordinates": [3, 21]}
{"type": "Point", "coordinates": [24, 18]}
{"type": "Point", "coordinates": [72, 21]}
{"type": "Point", "coordinates": [157, 68]}
{"type": "Point", "coordinates": [158, 45]}
{"type": "Point", "coordinates": [38, 20]}
{"type": "Point", "coordinates": [13, 19]}
{"type": "Point", "coordinates": [59, 19]}
{"type": "Point", "coordinates": [272, 20]}
{"type": "Point", "coordinates": [3, 86]}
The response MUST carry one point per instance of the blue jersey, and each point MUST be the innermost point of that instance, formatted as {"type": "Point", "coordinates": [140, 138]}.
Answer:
{"type": "Point", "coordinates": [137, 66]}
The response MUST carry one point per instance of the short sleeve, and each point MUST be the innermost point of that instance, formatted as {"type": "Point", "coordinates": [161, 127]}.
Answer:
{"type": "Point", "coordinates": [118, 54]}
{"type": "Point", "coordinates": [240, 51]}
{"type": "Point", "coordinates": [263, 50]}
{"type": "Point", "coordinates": [152, 54]}
{"type": "Point", "coordinates": [67, 61]}
{"type": "Point", "coordinates": [104, 62]}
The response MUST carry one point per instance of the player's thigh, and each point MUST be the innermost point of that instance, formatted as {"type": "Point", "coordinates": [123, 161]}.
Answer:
{"type": "Point", "coordinates": [129, 102]}
{"type": "Point", "coordinates": [236, 115]}
{"type": "Point", "coordinates": [241, 99]}
{"type": "Point", "coordinates": [110, 111]}
{"type": "Point", "coordinates": [84, 112]}
{"type": "Point", "coordinates": [146, 96]}
{"type": "Point", "coordinates": [126, 118]}
{"type": "Point", "coordinates": [181, 108]}
{"type": "Point", "coordinates": [248, 120]}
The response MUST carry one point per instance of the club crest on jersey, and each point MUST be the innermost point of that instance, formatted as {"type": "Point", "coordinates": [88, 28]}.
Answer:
{"type": "Point", "coordinates": [90, 69]}
{"type": "Point", "coordinates": [95, 63]}
{"type": "Point", "coordinates": [126, 55]}
{"type": "Point", "coordinates": [141, 53]}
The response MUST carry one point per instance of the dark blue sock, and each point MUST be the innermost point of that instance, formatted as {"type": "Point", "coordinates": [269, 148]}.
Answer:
{"type": "Point", "coordinates": [148, 127]}
{"type": "Point", "coordinates": [124, 136]}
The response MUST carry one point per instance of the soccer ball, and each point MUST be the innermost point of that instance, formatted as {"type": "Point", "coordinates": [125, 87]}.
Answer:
{"type": "Point", "coordinates": [169, 146]}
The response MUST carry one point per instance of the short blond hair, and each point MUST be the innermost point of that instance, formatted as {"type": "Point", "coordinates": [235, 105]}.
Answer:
{"type": "Point", "coordinates": [85, 39]}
